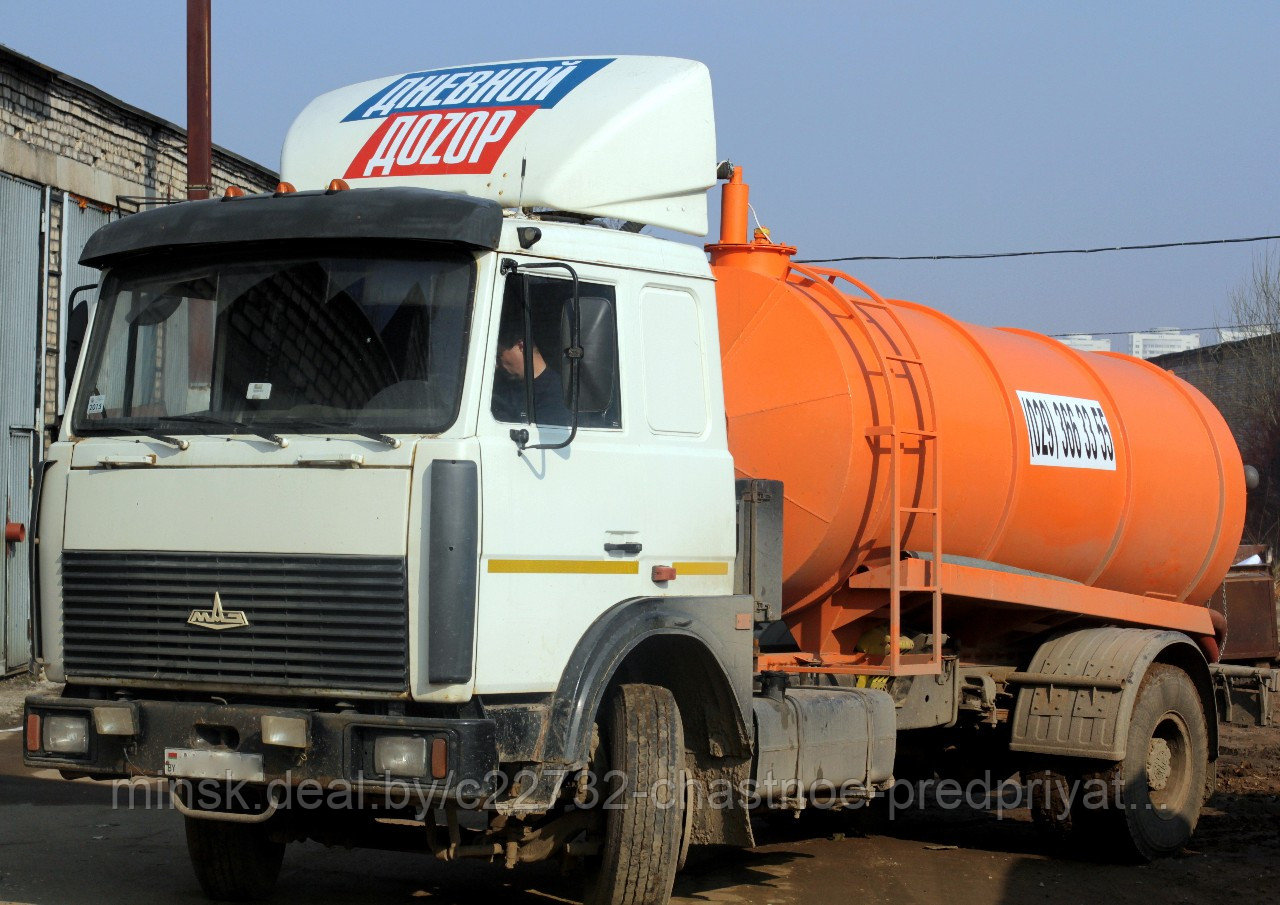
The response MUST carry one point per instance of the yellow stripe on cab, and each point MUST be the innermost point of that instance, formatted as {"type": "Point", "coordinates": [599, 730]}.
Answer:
{"type": "Point", "coordinates": [564, 566]}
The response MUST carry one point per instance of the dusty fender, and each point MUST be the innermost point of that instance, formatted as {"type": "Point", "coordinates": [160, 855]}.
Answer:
{"type": "Point", "coordinates": [1077, 695]}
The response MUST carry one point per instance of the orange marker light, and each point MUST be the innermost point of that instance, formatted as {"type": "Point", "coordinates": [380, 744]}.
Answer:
{"type": "Point", "coordinates": [233, 191]}
{"type": "Point", "coordinates": [664, 573]}
{"type": "Point", "coordinates": [33, 732]}
{"type": "Point", "coordinates": [338, 185]}
{"type": "Point", "coordinates": [439, 758]}
{"type": "Point", "coordinates": [285, 188]}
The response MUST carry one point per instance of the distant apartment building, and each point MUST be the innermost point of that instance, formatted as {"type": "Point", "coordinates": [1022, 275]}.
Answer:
{"type": "Point", "coordinates": [1161, 342]}
{"type": "Point", "coordinates": [1086, 342]}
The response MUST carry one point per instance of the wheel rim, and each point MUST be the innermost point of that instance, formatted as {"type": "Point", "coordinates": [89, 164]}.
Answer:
{"type": "Point", "coordinates": [1169, 765]}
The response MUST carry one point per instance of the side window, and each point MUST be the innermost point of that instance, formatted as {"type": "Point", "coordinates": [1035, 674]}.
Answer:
{"type": "Point", "coordinates": [547, 400]}
{"type": "Point", "coordinates": [675, 396]}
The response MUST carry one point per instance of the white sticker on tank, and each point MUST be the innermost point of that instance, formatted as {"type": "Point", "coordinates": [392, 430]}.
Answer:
{"type": "Point", "coordinates": [1068, 432]}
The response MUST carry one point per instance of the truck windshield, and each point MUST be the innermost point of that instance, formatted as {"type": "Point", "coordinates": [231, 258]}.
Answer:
{"type": "Point", "coordinates": [323, 343]}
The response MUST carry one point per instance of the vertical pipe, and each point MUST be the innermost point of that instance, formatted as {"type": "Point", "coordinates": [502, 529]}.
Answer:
{"type": "Point", "coordinates": [199, 125]}
{"type": "Point", "coordinates": [64, 316]}
{"type": "Point", "coordinates": [733, 210]}
{"type": "Point", "coordinates": [42, 359]}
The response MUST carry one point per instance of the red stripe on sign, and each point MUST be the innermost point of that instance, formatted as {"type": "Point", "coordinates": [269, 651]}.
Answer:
{"type": "Point", "coordinates": [437, 143]}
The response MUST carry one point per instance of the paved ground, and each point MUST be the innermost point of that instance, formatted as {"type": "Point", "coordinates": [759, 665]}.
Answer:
{"type": "Point", "coordinates": [62, 844]}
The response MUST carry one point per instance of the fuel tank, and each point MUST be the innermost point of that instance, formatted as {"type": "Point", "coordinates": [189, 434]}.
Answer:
{"type": "Point", "coordinates": [1095, 467]}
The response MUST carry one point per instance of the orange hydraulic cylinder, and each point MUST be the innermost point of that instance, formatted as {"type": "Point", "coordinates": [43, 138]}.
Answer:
{"type": "Point", "coordinates": [1146, 495]}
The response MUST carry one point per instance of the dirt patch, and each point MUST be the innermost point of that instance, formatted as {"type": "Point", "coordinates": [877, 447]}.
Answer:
{"type": "Point", "coordinates": [981, 857]}
{"type": "Point", "coordinates": [1241, 822]}
{"type": "Point", "coordinates": [1249, 761]}
{"type": "Point", "coordinates": [14, 691]}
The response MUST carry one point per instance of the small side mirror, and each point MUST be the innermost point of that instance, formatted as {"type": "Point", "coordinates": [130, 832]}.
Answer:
{"type": "Point", "coordinates": [599, 354]}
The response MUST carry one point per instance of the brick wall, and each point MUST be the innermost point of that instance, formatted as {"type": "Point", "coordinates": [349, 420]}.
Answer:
{"type": "Point", "coordinates": [1238, 377]}
{"type": "Point", "coordinates": [91, 149]}
{"type": "Point", "coordinates": [1222, 372]}
{"type": "Point", "coordinates": [57, 131]}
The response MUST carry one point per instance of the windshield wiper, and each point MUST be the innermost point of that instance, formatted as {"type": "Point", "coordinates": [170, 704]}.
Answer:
{"type": "Point", "coordinates": [338, 427]}
{"type": "Point", "coordinates": [237, 426]}
{"type": "Point", "coordinates": [109, 429]}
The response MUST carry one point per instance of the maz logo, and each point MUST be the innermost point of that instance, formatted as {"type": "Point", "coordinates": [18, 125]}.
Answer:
{"type": "Point", "coordinates": [218, 618]}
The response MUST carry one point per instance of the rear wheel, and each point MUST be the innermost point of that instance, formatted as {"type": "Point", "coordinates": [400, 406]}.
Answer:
{"type": "Point", "coordinates": [1153, 796]}
{"type": "Point", "coordinates": [234, 862]}
{"type": "Point", "coordinates": [643, 802]}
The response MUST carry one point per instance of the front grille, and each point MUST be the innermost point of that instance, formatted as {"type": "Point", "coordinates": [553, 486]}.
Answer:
{"type": "Point", "coordinates": [332, 622]}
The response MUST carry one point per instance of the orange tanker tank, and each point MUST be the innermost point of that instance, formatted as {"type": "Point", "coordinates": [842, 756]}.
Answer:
{"type": "Point", "coordinates": [1008, 447]}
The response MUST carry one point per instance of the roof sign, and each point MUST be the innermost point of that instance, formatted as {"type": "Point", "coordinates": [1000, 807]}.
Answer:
{"type": "Point", "coordinates": [625, 137]}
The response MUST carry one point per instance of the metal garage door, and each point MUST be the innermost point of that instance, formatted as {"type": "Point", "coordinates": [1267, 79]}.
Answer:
{"type": "Point", "coordinates": [20, 222]}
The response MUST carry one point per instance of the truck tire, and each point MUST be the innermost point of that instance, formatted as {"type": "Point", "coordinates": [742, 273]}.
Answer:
{"type": "Point", "coordinates": [1155, 794]}
{"type": "Point", "coordinates": [644, 804]}
{"type": "Point", "coordinates": [234, 862]}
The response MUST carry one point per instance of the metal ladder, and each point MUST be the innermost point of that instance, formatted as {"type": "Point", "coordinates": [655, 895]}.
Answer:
{"type": "Point", "coordinates": [922, 436]}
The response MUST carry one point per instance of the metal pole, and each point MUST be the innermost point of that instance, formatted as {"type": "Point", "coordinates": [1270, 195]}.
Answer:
{"type": "Point", "coordinates": [199, 125]}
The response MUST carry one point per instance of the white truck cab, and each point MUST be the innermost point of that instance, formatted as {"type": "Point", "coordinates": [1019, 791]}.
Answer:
{"type": "Point", "coordinates": [307, 398]}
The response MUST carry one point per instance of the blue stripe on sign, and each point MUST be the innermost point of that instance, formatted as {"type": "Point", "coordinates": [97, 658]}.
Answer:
{"type": "Point", "coordinates": [535, 83]}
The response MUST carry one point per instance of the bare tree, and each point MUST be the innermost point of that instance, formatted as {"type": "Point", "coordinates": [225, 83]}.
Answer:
{"type": "Point", "coordinates": [1250, 387]}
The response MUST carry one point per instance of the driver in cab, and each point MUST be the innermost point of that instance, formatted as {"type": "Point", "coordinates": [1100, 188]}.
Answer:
{"type": "Point", "coordinates": [509, 397]}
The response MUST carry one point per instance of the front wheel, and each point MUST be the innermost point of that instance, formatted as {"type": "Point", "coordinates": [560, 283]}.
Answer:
{"type": "Point", "coordinates": [234, 862]}
{"type": "Point", "coordinates": [1153, 796]}
{"type": "Point", "coordinates": [643, 802]}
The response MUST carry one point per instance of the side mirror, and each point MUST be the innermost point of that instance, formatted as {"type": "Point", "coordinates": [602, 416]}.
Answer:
{"type": "Point", "coordinates": [599, 354]}
{"type": "Point", "coordinates": [77, 325]}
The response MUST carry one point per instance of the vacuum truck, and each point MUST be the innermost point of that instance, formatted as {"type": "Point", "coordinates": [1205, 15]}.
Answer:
{"type": "Point", "coordinates": [433, 486]}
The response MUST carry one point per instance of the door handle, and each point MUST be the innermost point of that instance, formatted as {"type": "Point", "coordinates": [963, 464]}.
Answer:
{"type": "Point", "coordinates": [349, 460]}
{"type": "Point", "coordinates": [631, 548]}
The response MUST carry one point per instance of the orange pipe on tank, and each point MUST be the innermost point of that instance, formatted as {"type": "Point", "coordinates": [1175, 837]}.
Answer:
{"type": "Point", "coordinates": [733, 249]}
{"type": "Point", "coordinates": [1153, 503]}
{"type": "Point", "coordinates": [733, 209]}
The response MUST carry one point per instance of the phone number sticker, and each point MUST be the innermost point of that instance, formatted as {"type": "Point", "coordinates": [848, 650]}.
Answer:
{"type": "Point", "coordinates": [1068, 432]}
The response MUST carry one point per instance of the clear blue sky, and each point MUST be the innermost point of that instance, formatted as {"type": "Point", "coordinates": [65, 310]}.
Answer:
{"type": "Point", "coordinates": [864, 128]}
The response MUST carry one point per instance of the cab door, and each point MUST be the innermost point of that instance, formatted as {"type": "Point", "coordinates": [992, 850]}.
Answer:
{"type": "Point", "coordinates": [564, 531]}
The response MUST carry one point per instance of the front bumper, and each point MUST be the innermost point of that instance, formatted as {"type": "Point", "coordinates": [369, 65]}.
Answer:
{"type": "Point", "coordinates": [338, 751]}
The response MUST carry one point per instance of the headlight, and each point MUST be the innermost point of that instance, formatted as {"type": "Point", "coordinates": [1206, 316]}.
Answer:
{"type": "Point", "coordinates": [65, 734]}
{"type": "Point", "coordinates": [400, 755]}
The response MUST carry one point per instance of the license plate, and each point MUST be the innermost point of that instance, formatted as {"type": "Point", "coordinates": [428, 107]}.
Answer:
{"type": "Point", "coordinates": [193, 763]}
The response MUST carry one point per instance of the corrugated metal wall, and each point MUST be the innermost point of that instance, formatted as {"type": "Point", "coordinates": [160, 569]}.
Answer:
{"type": "Point", "coordinates": [20, 305]}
